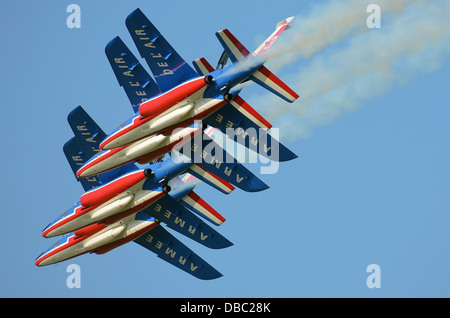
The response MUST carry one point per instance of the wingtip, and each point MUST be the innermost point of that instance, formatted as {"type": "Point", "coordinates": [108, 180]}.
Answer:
{"type": "Point", "coordinates": [137, 11]}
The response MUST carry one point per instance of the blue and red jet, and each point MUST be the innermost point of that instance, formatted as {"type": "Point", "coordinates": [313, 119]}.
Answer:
{"type": "Point", "coordinates": [123, 202]}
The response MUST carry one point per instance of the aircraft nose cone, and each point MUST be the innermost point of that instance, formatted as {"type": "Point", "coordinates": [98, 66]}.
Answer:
{"type": "Point", "coordinates": [38, 261]}
{"type": "Point", "coordinates": [47, 234]}
{"type": "Point", "coordinates": [87, 171]}
{"type": "Point", "coordinates": [45, 231]}
{"type": "Point", "coordinates": [104, 144]}
{"type": "Point", "coordinates": [41, 262]}
{"type": "Point", "coordinates": [81, 172]}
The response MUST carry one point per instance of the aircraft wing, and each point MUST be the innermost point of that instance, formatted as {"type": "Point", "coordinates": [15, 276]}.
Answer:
{"type": "Point", "coordinates": [195, 203]}
{"type": "Point", "coordinates": [237, 113]}
{"type": "Point", "coordinates": [89, 135]}
{"type": "Point", "coordinates": [216, 167]}
{"type": "Point", "coordinates": [168, 248]}
{"type": "Point", "coordinates": [86, 130]}
{"type": "Point", "coordinates": [76, 158]}
{"type": "Point", "coordinates": [178, 218]}
{"type": "Point", "coordinates": [184, 193]}
{"type": "Point", "coordinates": [131, 75]}
{"type": "Point", "coordinates": [167, 66]}
{"type": "Point", "coordinates": [242, 124]}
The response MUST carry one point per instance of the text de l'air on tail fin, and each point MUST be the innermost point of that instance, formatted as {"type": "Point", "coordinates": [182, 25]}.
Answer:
{"type": "Point", "coordinates": [76, 158]}
{"type": "Point", "coordinates": [167, 66]}
{"type": "Point", "coordinates": [131, 75]}
{"type": "Point", "coordinates": [262, 76]}
{"type": "Point", "coordinates": [89, 135]}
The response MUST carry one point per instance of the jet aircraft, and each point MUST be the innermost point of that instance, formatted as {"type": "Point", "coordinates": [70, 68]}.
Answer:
{"type": "Point", "coordinates": [140, 228]}
{"type": "Point", "coordinates": [136, 189]}
{"type": "Point", "coordinates": [124, 203]}
{"type": "Point", "coordinates": [102, 237]}
{"type": "Point", "coordinates": [180, 96]}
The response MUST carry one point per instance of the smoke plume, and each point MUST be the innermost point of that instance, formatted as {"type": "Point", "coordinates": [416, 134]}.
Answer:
{"type": "Point", "coordinates": [336, 62]}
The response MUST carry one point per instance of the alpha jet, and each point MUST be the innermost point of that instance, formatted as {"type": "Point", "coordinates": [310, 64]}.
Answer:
{"type": "Point", "coordinates": [172, 210]}
{"type": "Point", "coordinates": [236, 118]}
{"type": "Point", "coordinates": [140, 228]}
{"type": "Point", "coordinates": [135, 189]}
{"type": "Point", "coordinates": [181, 96]}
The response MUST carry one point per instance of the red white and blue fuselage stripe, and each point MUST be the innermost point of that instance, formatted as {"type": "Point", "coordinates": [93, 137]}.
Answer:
{"type": "Point", "coordinates": [96, 239]}
{"type": "Point", "coordinates": [81, 214]}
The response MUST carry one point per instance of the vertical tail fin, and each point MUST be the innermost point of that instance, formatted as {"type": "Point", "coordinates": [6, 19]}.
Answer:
{"type": "Point", "coordinates": [269, 81]}
{"type": "Point", "coordinates": [85, 144]}
{"type": "Point", "coordinates": [76, 158]}
{"type": "Point", "coordinates": [167, 66]}
{"type": "Point", "coordinates": [237, 52]}
{"type": "Point", "coordinates": [131, 75]}
{"type": "Point", "coordinates": [264, 47]}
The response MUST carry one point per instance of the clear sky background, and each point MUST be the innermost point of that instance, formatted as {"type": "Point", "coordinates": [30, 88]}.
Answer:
{"type": "Point", "coordinates": [371, 184]}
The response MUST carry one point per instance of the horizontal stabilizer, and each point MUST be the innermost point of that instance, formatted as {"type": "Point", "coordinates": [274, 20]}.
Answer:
{"type": "Point", "coordinates": [211, 179]}
{"type": "Point", "coordinates": [177, 217]}
{"type": "Point", "coordinates": [237, 114]}
{"type": "Point", "coordinates": [269, 81]}
{"type": "Point", "coordinates": [167, 66]}
{"type": "Point", "coordinates": [168, 248]}
{"type": "Point", "coordinates": [131, 75]}
{"type": "Point", "coordinates": [248, 131]}
{"type": "Point", "coordinates": [195, 203]}
{"type": "Point", "coordinates": [262, 76]}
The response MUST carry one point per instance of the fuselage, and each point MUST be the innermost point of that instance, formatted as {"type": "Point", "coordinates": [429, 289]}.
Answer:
{"type": "Point", "coordinates": [119, 198]}
{"type": "Point", "coordinates": [179, 107]}
{"type": "Point", "coordinates": [141, 151]}
{"type": "Point", "coordinates": [97, 238]}
{"type": "Point", "coordinates": [108, 203]}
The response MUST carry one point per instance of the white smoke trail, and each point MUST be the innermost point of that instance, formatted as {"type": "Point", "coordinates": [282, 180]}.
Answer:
{"type": "Point", "coordinates": [343, 63]}
{"type": "Point", "coordinates": [328, 23]}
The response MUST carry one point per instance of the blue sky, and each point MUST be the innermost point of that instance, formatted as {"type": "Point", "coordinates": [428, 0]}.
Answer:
{"type": "Point", "coordinates": [371, 184]}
